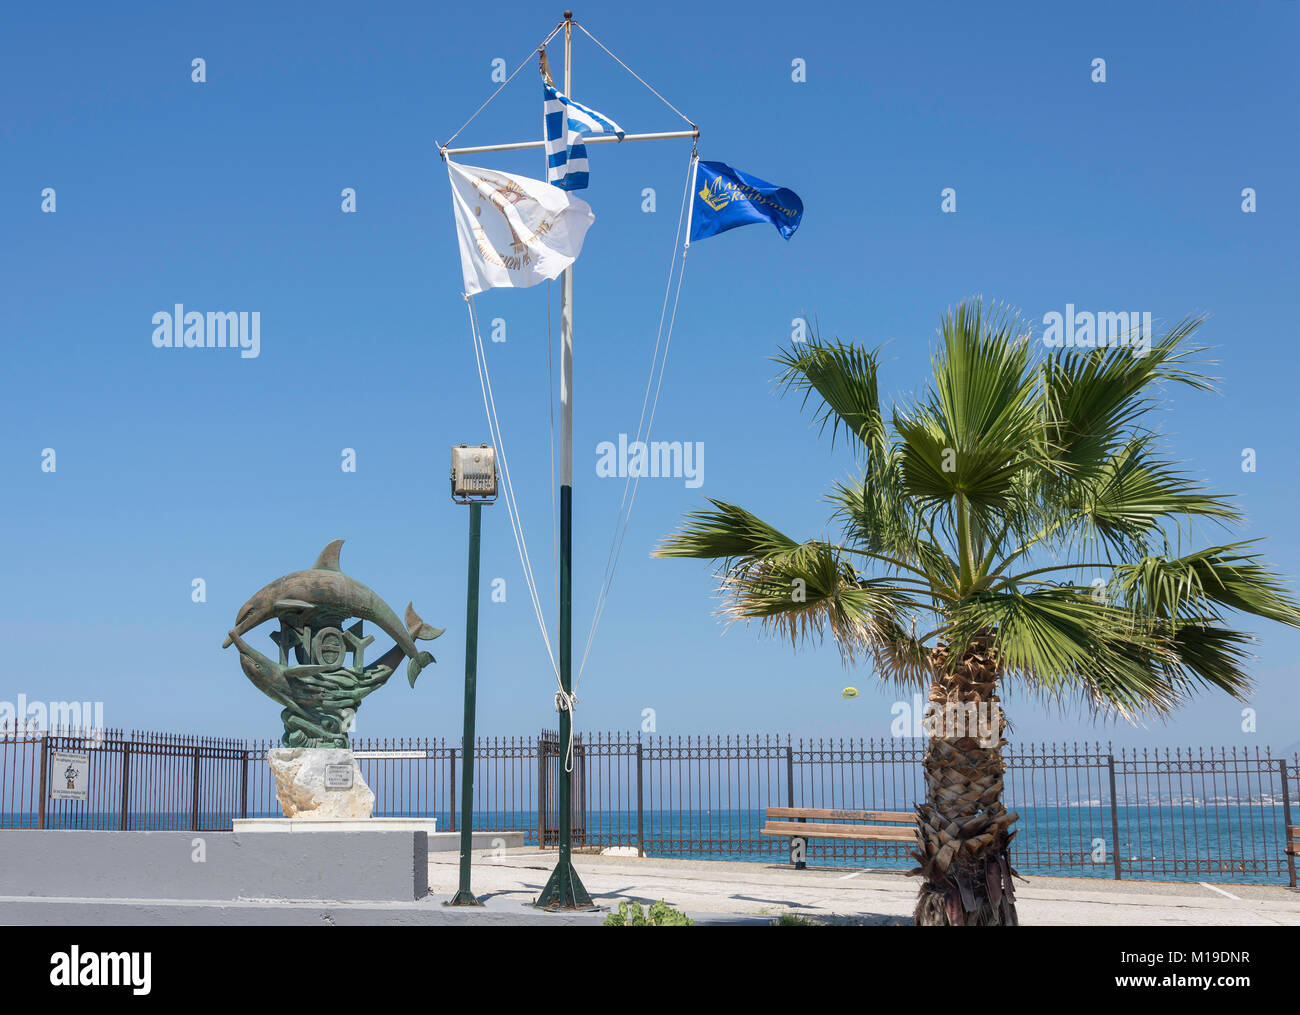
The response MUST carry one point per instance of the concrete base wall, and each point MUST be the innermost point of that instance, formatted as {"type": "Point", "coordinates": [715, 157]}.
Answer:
{"type": "Point", "coordinates": [221, 866]}
{"type": "Point", "coordinates": [444, 842]}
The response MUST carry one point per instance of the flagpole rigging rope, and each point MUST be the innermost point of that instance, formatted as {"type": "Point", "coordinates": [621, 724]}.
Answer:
{"type": "Point", "coordinates": [634, 74]}
{"type": "Point", "coordinates": [532, 54]}
{"type": "Point", "coordinates": [512, 508]}
{"type": "Point", "coordinates": [624, 518]}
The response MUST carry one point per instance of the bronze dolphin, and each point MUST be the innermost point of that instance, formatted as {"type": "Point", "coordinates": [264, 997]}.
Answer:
{"type": "Point", "coordinates": [324, 587]}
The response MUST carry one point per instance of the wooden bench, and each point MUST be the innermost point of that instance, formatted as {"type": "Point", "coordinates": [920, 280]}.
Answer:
{"type": "Point", "coordinates": [799, 824]}
{"type": "Point", "coordinates": [1293, 840]}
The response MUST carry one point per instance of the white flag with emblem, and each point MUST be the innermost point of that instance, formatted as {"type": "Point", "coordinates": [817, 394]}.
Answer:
{"type": "Point", "coordinates": [514, 231]}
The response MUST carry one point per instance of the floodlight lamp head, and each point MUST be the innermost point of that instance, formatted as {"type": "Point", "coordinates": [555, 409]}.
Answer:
{"type": "Point", "coordinates": [473, 474]}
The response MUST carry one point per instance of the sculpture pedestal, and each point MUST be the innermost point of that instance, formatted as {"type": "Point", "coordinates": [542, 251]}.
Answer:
{"type": "Point", "coordinates": [320, 782]}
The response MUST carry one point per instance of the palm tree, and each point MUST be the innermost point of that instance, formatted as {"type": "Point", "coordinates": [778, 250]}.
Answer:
{"type": "Point", "coordinates": [1014, 524]}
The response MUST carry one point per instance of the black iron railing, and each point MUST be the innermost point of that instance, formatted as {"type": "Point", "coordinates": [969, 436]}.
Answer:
{"type": "Point", "coordinates": [1085, 809]}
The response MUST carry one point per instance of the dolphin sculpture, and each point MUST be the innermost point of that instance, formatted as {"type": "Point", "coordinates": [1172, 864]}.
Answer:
{"type": "Point", "coordinates": [325, 589]}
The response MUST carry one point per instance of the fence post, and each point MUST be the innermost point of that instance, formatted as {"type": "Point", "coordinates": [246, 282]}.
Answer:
{"type": "Point", "coordinates": [243, 788]}
{"type": "Point", "coordinates": [452, 810]}
{"type": "Point", "coordinates": [641, 827]}
{"type": "Point", "coordinates": [789, 776]}
{"type": "Point", "coordinates": [124, 824]}
{"type": "Point", "coordinates": [194, 802]}
{"type": "Point", "coordinates": [1114, 816]}
{"type": "Point", "coordinates": [541, 794]}
{"type": "Point", "coordinates": [45, 756]}
{"type": "Point", "coordinates": [1286, 822]}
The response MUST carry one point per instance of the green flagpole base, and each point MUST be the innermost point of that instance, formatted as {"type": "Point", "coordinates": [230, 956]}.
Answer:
{"type": "Point", "coordinates": [565, 891]}
{"type": "Point", "coordinates": [463, 897]}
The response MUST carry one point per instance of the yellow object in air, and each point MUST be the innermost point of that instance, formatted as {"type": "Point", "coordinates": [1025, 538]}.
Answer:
{"type": "Point", "coordinates": [849, 692]}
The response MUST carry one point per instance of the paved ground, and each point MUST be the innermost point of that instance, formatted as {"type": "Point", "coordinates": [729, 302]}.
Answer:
{"type": "Point", "coordinates": [29, 911]}
{"type": "Point", "coordinates": [711, 892]}
{"type": "Point", "coordinates": [758, 891]}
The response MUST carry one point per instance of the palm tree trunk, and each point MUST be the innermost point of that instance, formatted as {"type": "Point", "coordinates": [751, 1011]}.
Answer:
{"type": "Point", "coordinates": [964, 830]}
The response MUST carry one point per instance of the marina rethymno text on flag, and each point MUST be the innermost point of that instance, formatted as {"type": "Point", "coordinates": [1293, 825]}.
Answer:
{"type": "Point", "coordinates": [726, 198]}
{"type": "Point", "coordinates": [513, 231]}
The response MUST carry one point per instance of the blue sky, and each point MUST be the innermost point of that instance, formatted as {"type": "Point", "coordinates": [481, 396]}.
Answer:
{"type": "Point", "coordinates": [174, 465]}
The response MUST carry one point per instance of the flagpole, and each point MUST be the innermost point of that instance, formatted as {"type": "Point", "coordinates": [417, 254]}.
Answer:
{"type": "Point", "coordinates": [564, 889]}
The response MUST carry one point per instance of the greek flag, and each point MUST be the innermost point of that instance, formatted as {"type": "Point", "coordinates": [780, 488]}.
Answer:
{"type": "Point", "coordinates": [566, 121]}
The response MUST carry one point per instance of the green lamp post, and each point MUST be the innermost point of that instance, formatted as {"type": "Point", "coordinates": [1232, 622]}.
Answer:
{"type": "Point", "coordinates": [473, 482]}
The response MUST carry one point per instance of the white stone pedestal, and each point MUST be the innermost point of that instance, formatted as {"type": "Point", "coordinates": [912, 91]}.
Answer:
{"type": "Point", "coordinates": [320, 782]}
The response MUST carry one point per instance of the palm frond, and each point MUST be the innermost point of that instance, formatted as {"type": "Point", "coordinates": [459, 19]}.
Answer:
{"type": "Point", "coordinates": [811, 592]}
{"type": "Point", "coordinates": [1212, 579]}
{"type": "Point", "coordinates": [878, 519]}
{"type": "Point", "coordinates": [1129, 497]}
{"type": "Point", "coordinates": [1092, 397]}
{"type": "Point", "coordinates": [844, 378]}
{"type": "Point", "coordinates": [726, 533]}
{"type": "Point", "coordinates": [983, 391]}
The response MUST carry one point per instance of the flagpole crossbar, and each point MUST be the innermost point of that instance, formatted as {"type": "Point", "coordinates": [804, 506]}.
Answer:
{"type": "Point", "coordinates": [668, 135]}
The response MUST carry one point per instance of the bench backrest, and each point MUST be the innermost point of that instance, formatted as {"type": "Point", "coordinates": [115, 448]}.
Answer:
{"type": "Point", "coordinates": [822, 814]}
{"type": "Point", "coordinates": [1293, 839]}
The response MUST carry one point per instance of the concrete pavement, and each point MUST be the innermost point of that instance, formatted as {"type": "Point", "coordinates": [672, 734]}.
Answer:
{"type": "Point", "coordinates": [716, 890]}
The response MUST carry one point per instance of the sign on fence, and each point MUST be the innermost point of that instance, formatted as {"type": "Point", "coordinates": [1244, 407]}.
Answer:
{"type": "Point", "coordinates": [69, 776]}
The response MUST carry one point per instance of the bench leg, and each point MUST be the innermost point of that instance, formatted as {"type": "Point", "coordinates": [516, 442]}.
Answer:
{"type": "Point", "coordinates": [798, 849]}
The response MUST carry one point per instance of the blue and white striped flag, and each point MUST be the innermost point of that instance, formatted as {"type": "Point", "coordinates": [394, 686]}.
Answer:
{"type": "Point", "coordinates": [566, 121]}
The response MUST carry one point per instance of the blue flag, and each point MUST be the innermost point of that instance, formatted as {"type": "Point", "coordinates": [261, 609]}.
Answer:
{"type": "Point", "coordinates": [726, 198]}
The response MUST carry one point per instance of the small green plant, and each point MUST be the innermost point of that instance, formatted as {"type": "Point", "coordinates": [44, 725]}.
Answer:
{"type": "Point", "coordinates": [795, 920]}
{"type": "Point", "coordinates": [630, 914]}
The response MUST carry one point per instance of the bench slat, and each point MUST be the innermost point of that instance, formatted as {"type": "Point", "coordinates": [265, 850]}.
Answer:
{"type": "Point", "coordinates": [798, 830]}
{"type": "Point", "coordinates": [818, 814]}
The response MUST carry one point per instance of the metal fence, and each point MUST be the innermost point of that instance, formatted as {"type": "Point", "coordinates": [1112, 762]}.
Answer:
{"type": "Point", "coordinates": [1085, 809]}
